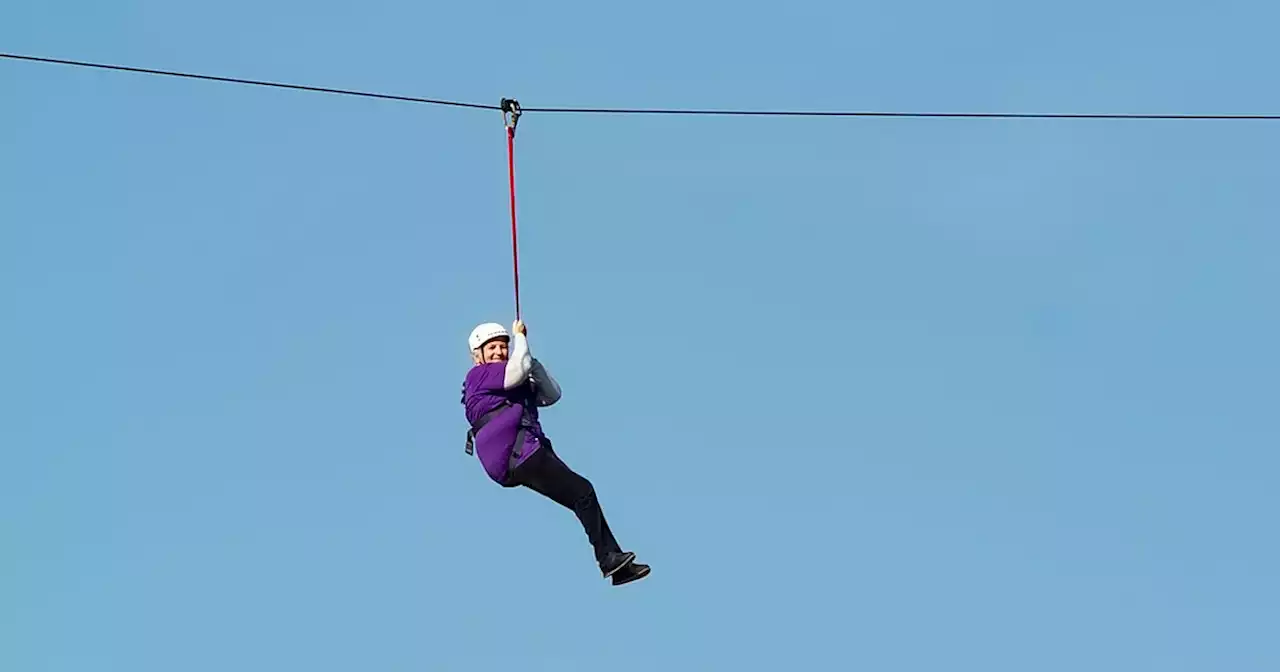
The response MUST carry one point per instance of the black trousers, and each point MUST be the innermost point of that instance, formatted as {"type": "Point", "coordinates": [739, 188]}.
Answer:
{"type": "Point", "coordinates": [550, 477]}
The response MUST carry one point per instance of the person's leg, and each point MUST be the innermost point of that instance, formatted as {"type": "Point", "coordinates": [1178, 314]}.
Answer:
{"type": "Point", "coordinates": [547, 475]}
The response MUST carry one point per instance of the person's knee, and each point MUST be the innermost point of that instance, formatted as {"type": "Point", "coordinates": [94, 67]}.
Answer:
{"type": "Point", "coordinates": [586, 495]}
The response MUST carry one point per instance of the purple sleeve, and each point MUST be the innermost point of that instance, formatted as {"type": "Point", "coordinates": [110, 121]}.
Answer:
{"type": "Point", "coordinates": [487, 379]}
{"type": "Point", "coordinates": [483, 390]}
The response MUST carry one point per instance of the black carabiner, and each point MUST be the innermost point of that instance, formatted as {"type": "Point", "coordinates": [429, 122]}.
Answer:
{"type": "Point", "coordinates": [510, 112]}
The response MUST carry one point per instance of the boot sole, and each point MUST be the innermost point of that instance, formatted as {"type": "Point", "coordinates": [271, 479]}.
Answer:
{"type": "Point", "coordinates": [636, 577]}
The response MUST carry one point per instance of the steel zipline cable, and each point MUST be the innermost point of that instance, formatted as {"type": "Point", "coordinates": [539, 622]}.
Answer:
{"type": "Point", "coordinates": [649, 111]}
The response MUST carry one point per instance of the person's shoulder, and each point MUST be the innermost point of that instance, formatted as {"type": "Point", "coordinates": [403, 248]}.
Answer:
{"type": "Point", "coordinates": [481, 374]}
{"type": "Point", "coordinates": [488, 368]}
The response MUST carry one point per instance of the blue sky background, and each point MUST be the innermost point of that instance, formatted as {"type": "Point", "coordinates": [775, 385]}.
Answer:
{"type": "Point", "coordinates": [894, 395]}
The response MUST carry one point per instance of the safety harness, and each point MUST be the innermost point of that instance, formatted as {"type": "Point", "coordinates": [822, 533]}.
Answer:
{"type": "Point", "coordinates": [517, 450]}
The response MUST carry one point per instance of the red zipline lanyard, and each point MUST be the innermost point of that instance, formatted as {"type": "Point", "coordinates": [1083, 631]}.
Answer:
{"type": "Point", "coordinates": [510, 115]}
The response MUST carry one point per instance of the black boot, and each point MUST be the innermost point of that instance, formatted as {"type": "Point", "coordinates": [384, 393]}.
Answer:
{"type": "Point", "coordinates": [614, 562]}
{"type": "Point", "coordinates": [632, 572]}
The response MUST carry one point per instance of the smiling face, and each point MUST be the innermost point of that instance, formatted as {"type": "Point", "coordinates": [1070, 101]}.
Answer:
{"type": "Point", "coordinates": [494, 350]}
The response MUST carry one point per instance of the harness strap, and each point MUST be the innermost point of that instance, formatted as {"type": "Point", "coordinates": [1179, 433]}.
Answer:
{"type": "Point", "coordinates": [517, 450]}
{"type": "Point", "coordinates": [484, 420]}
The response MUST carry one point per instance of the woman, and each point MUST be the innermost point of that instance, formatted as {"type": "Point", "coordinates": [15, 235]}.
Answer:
{"type": "Point", "coordinates": [502, 394]}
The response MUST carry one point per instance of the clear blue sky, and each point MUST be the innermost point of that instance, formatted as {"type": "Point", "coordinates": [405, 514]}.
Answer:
{"type": "Point", "coordinates": [892, 395]}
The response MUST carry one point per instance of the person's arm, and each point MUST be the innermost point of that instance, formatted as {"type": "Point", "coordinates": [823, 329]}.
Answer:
{"type": "Point", "coordinates": [546, 388]}
{"type": "Point", "coordinates": [520, 362]}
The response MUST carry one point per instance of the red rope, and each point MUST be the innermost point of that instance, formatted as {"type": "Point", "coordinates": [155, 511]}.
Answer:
{"type": "Point", "coordinates": [515, 252]}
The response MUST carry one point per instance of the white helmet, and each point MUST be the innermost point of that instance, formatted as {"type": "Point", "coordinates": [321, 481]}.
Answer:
{"type": "Point", "coordinates": [485, 333]}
